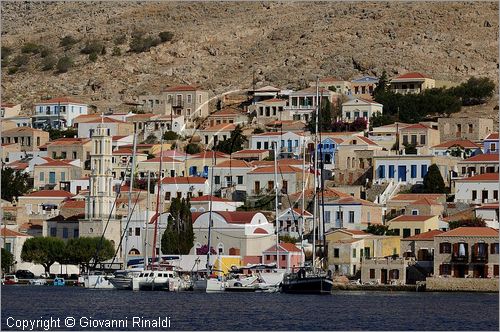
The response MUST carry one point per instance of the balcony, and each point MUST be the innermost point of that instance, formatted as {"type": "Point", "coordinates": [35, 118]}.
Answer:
{"type": "Point", "coordinates": [459, 258]}
{"type": "Point", "coordinates": [479, 258]}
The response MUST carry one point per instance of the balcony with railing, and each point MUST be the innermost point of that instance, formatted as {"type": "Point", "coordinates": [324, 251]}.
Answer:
{"type": "Point", "coordinates": [479, 253]}
{"type": "Point", "coordinates": [460, 253]}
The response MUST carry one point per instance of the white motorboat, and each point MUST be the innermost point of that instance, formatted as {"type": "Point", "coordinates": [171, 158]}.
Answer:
{"type": "Point", "coordinates": [156, 280]}
{"type": "Point", "coordinates": [123, 278]}
{"type": "Point", "coordinates": [97, 280]}
{"type": "Point", "coordinates": [38, 282]}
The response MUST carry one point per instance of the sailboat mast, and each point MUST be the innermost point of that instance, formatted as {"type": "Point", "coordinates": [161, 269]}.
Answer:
{"type": "Point", "coordinates": [158, 200]}
{"type": "Point", "coordinates": [209, 269]}
{"type": "Point", "coordinates": [129, 208]}
{"type": "Point", "coordinates": [315, 173]}
{"type": "Point", "coordinates": [148, 203]}
{"type": "Point", "coordinates": [301, 226]}
{"type": "Point", "coordinates": [276, 188]}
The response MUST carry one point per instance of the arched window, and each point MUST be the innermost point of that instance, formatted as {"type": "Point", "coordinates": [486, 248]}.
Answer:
{"type": "Point", "coordinates": [348, 162]}
{"type": "Point", "coordinates": [134, 252]}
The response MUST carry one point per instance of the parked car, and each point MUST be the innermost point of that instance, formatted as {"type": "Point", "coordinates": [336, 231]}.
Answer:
{"type": "Point", "coordinates": [24, 274]}
{"type": "Point", "coordinates": [10, 279]}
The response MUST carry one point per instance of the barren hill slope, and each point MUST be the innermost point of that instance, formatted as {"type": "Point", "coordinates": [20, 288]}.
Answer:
{"type": "Point", "coordinates": [219, 45]}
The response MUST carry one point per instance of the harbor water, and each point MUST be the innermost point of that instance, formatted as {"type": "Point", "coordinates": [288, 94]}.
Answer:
{"type": "Point", "coordinates": [344, 310]}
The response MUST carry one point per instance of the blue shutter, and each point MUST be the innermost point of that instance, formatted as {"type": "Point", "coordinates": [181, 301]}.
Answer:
{"type": "Point", "coordinates": [391, 171]}
{"type": "Point", "coordinates": [423, 169]}
{"type": "Point", "coordinates": [413, 171]}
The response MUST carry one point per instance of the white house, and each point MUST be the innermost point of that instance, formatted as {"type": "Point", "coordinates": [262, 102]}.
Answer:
{"type": "Point", "coordinates": [302, 103]}
{"type": "Point", "coordinates": [465, 147]}
{"type": "Point", "coordinates": [410, 168]}
{"type": "Point", "coordinates": [247, 233]}
{"type": "Point", "coordinates": [482, 188]}
{"type": "Point", "coordinates": [183, 187]}
{"type": "Point", "coordinates": [270, 110]}
{"type": "Point", "coordinates": [351, 213]}
{"type": "Point", "coordinates": [489, 213]}
{"type": "Point", "coordinates": [211, 136]}
{"type": "Point", "coordinates": [360, 108]}
{"type": "Point", "coordinates": [292, 221]}
{"type": "Point", "coordinates": [289, 143]}
{"type": "Point", "coordinates": [57, 112]}
{"type": "Point", "coordinates": [230, 173]}
{"type": "Point", "coordinates": [13, 241]}
{"type": "Point", "coordinates": [261, 180]}
{"type": "Point", "coordinates": [116, 127]}
{"type": "Point", "coordinates": [202, 204]}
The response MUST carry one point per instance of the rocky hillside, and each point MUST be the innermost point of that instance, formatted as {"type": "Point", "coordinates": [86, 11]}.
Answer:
{"type": "Point", "coordinates": [220, 45]}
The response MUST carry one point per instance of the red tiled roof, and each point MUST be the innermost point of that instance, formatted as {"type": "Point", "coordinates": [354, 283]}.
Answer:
{"type": "Point", "coordinates": [367, 140]}
{"type": "Point", "coordinates": [249, 151]}
{"type": "Point", "coordinates": [73, 204]}
{"type": "Point", "coordinates": [302, 212]}
{"type": "Point", "coordinates": [21, 130]}
{"type": "Point", "coordinates": [209, 155]}
{"type": "Point", "coordinates": [492, 136]}
{"type": "Point", "coordinates": [8, 105]}
{"type": "Point", "coordinates": [425, 236]}
{"type": "Point", "coordinates": [425, 201]}
{"type": "Point", "coordinates": [206, 198]}
{"type": "Point", "coordinates": [272, 100]}
{"type": "Point", "coordinates": [488, 206]}
{"type": "Point", "coordinates": [259, 230]}
{"type": "Point", "coordinates": [411, 218]}
{"type": "Point", "coordinates": [18, 165]}
{"type": "Point", "coordinates": [62, 100]}
{"type": "Point", "coordinates": [328, 192]}
{"type": "Point", "coordinates": [355, 232]}
{"type": "Point", "coordinates": [465, 143]}
{"type": "Point", "coordinates": [225, 112]}
{"type": "Point", "coordinates": [221, 127]}
{"type": "Point", "coordinates": [50, 193]}
{"type": "Point", "coordinates": [353, 200]}
{"type": "Point", "coordinates": [414, 197]}
{"type": "Point", "coordinates": [415, 126]}
{"type": "Point", "coordinates": [104, 120]}
{"type": "Point", "coordinates": [275, 133]}
{"type": "Point", "coordinates": [471, 231]}
{"type": "Point", "coordinates": [182, 88]}
{"type": "Point", "coordinates": [481, 177]}
{"type": "Point", "coordinates": [234, 163]}
{"type": "Point", "coordinates": [10, 233]}
{"type": "Point", "coordinates": [56, 163]}
{"type": "Point", "coordinates": [271, 170]}
{"type": "Point", "coordinates": [412, 75]}
{"type": "Point", "coordinates": [284, 247]}
{"type": "Point", "coordinates": [231, 217]}
{"type": "Point", "coordinates": [481, 158]}
{"type": "Point", "coordinates": [163, 159]}
{"type": "Point", "coordinates": [68, 141]}
{"type": "Point", "coordinates": [184, 180]}
{"type": "Point", "coordinates": [123, 151]}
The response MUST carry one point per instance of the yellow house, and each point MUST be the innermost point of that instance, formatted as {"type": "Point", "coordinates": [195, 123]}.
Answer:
{"type": "Point", "coordinates": [409, 225]}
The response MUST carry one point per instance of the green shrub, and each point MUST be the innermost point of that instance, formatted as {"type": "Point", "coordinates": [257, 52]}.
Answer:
{"type": "Point", "coordinates": [193, 148]}
{"type": "Point", "coordinates": [93, 57]}
{"type": "Point", "coordinates": [116, 51]}
{"type": "Point", "coordinates": [68, 41]}
{"type": "Point", "coordinates": [30, 48]}
{"type": "Point", "coordinates": [49, 62]}
{"type": "Point", "coordinates": [92, 46]}
{"type": "Point", "coordinates": [13, 70]}
{"type": "Point", "coordinates": [170, 136]}
{"type": "Point", "coordinates": [140, 44]}
{"type": "Point", "coordinates": [64, 64]}
{"type": "Point", "coordinates": [6, 52]}
{"type": "Point", "coordinates": [45, 51]}
{"type": "Point", "coordinates": [120, 40]}
{"type": "Point", "coordinates": [21, 60]}
{"type": "Point", "coordinates": [166, 36]}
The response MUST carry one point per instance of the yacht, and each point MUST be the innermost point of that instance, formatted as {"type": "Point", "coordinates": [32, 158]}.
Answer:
{"type": "Point", "coordinates": [156, 280]}
{"type": "Point", "coordinates": [96, 280]}
{"type": "Point", "coordinates": [123, 278]}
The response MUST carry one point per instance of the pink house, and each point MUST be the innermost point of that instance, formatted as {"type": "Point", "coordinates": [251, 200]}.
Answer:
{"type": "Point", "coordinates": [289, 256]}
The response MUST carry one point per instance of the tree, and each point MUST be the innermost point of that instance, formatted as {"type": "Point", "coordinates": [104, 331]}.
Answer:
{"type": "Point", "coordinates": [410, 149]}
{"type": "Point", "coordinates": [178, 238]}
{"type": "Point", "coordinates": [14, 183]}
{"type": "Point", "coordinates": [378, 120]}
{"type": "Point", "coordinates": [166, 36]}
{"type": "Point", "coordinates": [472, 222]}
{"type": "Point", "coordinates": [170, 136]}
{"type": "Point", "coordinates": [86, 250]}
{"type": "Point", "coordinates": [193, 148]}
{"type": "Point", "coordinates": [43, 250]}
{"type": "Point", "coordinates": [234, 143]}
{"type": "Point", "coordinates": [7, 260]}
{"type": "Point", "coordinates": [359, 124]}
{"type": "Point", "coordinates": [288, 239]}
{"type": "Point", "coordinates": [433, 181]}
{"type": "Point", "coordinates": [58, 133]}
{"type": "Point", "coordinates": [151, 139]}
{"type": "Point", "coordinates": [258, 130]}
{"type": "Point", "coordinates": [325, 118]}
{"type": "Point", "coordinates": [379, 229]}
{"type": "Point", "coordinates": [382, 84]}
{"type": "Point", "coordinates": [64, 64]}
{"type": "Point", "coordinates": [475, 91]}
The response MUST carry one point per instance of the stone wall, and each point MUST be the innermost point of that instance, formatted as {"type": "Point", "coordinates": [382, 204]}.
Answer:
{"type": "Point", "coordinates": [462, 284]}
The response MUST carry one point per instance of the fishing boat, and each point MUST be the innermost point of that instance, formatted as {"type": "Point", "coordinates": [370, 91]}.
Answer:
{"type": "Point", "coordinates": [315, 281]}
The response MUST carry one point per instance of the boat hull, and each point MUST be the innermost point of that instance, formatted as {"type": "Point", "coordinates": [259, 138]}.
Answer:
{"type": "Point", "coordinates": [121, 283]}
{"type": "Point", "coordinates": [307, 285]}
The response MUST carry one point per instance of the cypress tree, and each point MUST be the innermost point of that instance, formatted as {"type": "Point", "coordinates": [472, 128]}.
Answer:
{"type": "Point", "coordinates": [433, 181]}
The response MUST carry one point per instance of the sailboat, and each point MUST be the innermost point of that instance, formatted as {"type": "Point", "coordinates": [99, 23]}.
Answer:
{"type": "Point", "coordinates": [211, 283]}
{"type": "Point", "coordinates": [310, 282]}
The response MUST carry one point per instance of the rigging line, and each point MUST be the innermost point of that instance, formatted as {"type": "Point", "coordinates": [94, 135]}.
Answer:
{"type": "Point", "coordinates": [110, 213]}
{"type": "Point", "coordinates": [126, 229]}
{"type": "Point", "coordinates": [243, 238]}
{"type": "Point", "coordinates": [322, 180]}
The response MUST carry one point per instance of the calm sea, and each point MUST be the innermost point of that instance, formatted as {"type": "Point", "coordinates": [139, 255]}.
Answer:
{"type": "Point", "coordinates": [252, 311]}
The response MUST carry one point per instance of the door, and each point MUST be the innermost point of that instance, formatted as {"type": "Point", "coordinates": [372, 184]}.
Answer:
{"type": "Point", "coordinates": [383, 276]}
{"type": "Point", "coordinates": [52, 177]}
{"type": "Point", "coordinates": [402, 173]}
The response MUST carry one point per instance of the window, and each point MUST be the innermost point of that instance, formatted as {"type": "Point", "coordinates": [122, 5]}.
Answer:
{"type": "Point", "coordinates": [494, 248]}
{"type": "Point", "coordinates": [372, 273]}
{"type": "Point", "coordinates": [484, 195]}
{"type": "Point", "coordinates": [495, 270]}
{"type": "Point", "coordinates": [217, 179]}
{"type": "Point", "coordinates": [396, 231]}
{"type": "Point", "coordinates": [266, 145]}
{"type": "Point", "coordinates": [327, 216]}
{"type": "Point", "coordinates": [381, 171]}
{"type": "Point", "coordinates": [391, 171]}
{"type": "Point", "coordinates": [394, 274]}
{"type": "Point", "coordinates": [74, 154]}
{"type": "Point", "coordinates": [417, 231]}
{"type": "Point", "coordinates": [167, 196]}
{"type": "Point", "coordinates": [444, 269]}
{"type": "Point", "coordinates": [189, 99]}
{"type": "Point", "coordinates": [445, 248]}
{"type": "Point", "coordinates": [259, 145]}
{"type": "Point", "coordinates": [422, 139]}
{"type": "Point", "coordinates": [423, 170]}
{"type": "Point", "coordinates": [52, 177]}
{"type": "Point", "coordinates": [53, 231]}
{"type": "Point", "coordinates": [75, 233]}
{"type": "Point", "coordinates": [471, 128]}
{"type": "Point", "coordinates": [405, 139]}
{"type": "Point", "coordinates": [351, 217]}
{"type": "Point", "coordinates": [406, 232]}
{"type": "Point", "coordinates": [353, 253]}
{"type": "Point", "coordinates": [365, 114]}
{"type": "Point", "coordinates": [336, 252]}
{"type": "Point", "coordinates": [63, 176]}
{"type": "Point", "coordinates": [495, 195]}
{"type": "Point", "coordinates": [137, 231]}
{"type": "Point", "coordinates": [414, 212]}
{"type": "Point", "coordinates": [348, 115]}
{"type": "Point", "coordinates": [493, 147]}
{"type": "Point", "coordinates": [413, 171]}
{"type": "Point", "coordinates": [414, 139]}
{"type": "Point", "coordinates": [240, 179]}
{"type": "Point", "coordinates": [65, 233]}
{"type": "Point", "coordinates": [474, 195]}
{"type": "Point", "coordinates": [130, 231]}
{"type": "Point", "coordinates": [42, 176]}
